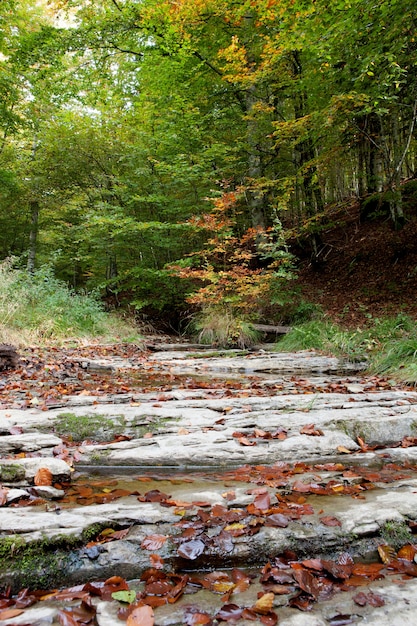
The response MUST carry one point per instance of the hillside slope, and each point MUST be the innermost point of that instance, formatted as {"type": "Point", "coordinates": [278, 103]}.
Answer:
{"type": "Point", "coordinates": [366, 267]}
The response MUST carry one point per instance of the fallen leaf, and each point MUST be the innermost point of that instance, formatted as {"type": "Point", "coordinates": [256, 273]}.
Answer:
{"type": "Point", "coordinates": [142, 616]}
{"type": "Point", "coordinates": [153, 542]}
{"type": "Point", "coordinates": [244, 441]}
{"type": "Point", "coordinates": [387, 553]}
{"type": "Point", "coordinates": [43, 477]}
{"type": "Point", "coordinates": [229, 612]}
{"type": "Point", "coordinates": [156, 561]}
{"type": "Point", "coordinates": [8, 613]}
{"type": "Point", "coordinates": [264, 604]}
{"type": "Point", "coordinates": [128, 596]}
{"type": "Point", "coordinates": [371, 598]}
{"type": "Point", "coordinates": [407, 552]}
{"type": "Point", "coordinates": [330, 520]}
{"type": "Point", "coordinates": [3, 496]}
{"type": "Point", "coordinates": [343, 450]}
{"type": "Point", "coordinates": [310, 429]}
{"type": "Point", "coordinates": [191, 549]}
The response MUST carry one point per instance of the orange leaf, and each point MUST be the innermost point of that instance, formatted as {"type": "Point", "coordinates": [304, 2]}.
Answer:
{"type": "Point", "coordinates": [142, 616]}
{"type": "Point", "coordinates": [43, 477]}
{"type": "Point", "coordinates": [153, 542]}
{"type": "Point", "coordinates": [156, 561]}
{"type": "Point", "coordinates": [8, 613]}
{"type": "Point", "coordinates": [407, 552]}
{"type": "Point", "coordinates": [244, 441]}
{"type": "Point", "coordinates": [3, 496]}
{"type": "Point", "coordinates": [310, 429]}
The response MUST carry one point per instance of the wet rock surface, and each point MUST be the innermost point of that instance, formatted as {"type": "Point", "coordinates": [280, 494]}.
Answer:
{"type": "Point", "coordinates": [342, 449]}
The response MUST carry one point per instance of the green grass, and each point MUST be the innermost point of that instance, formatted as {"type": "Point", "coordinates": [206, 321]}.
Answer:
{"type": "Point", "coordinates": [39, 308]}
{"type": "Point", "coordinates": [388, 344]}
{"type": "Point", "coordinates": [220, 327]}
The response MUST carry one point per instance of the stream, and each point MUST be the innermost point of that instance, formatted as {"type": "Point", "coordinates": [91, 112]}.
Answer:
{"type": "Point", "coordinates": [217, 487]}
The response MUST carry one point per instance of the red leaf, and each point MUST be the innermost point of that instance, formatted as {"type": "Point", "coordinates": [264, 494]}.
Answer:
{"type": "Point", "coordinates": [307, 582]}
{"type": "Point", "coordinates": [65, 619]}
{"type": "Point", "coordinates": [155, 496]}
{"type": "Point", "coordinates": [262, 501]}
{"type": "Point", "coordinates": [329, 520]}
{"type": "Point", "coordinates": [229, 612]}
{"type": "Point", "coordinates": [278, 520]}
{"type": "Point", "coordinates": [371, 598]}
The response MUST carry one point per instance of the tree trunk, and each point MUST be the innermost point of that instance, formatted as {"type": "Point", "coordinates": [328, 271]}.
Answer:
{"type": "Point", "coordinates": [374, 161]}
{"type": "Point", "coordinates": [306, 169]}
{"type": "Point", "coordinates": [33, 236]}
{"type": "Point", "coordinates": [395, 200]}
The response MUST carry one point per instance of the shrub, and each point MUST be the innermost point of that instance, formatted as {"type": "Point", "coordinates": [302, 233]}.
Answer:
{"type": "Point", "coordinates": [39, 307]}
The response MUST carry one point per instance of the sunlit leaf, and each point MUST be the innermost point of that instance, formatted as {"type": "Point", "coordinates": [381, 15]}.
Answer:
{"type": "Point", "coordinates": [407, 552]}
{"type": "Point", "coordinates": [43, 477]}
{"type": "Point", "coordinates": [344, 450]}
{"type": "Point", "coordinates": [264, 604]}
{"type": "Point", "coordinates": [196, 618]}
{"type": "Point", "coordinates": [124, 596]}
{"type": "Point", "coordinates": [387, 553]}
{"type": "Point", "coordinates": [223, 586]}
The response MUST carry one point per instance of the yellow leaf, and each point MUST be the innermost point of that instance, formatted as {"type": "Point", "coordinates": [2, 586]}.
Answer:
{"type": "Point", "coordinates": [344, 450]}
{"type": "Point", "coordinates": [223, 586]}
{"type": "Point", "coordinates": [264, 604]}
{"type": "Point", "coordinates": [387, 553]}
{"type": "Point", "coordinates": [235, 526]}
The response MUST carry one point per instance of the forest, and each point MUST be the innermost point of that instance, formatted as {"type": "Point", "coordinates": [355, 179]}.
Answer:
{"type": "Point", "coordinates": [181, 156]}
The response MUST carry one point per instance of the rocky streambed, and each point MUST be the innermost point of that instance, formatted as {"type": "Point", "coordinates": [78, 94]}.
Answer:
{"type": "Point", "coordinates": [296, 470]}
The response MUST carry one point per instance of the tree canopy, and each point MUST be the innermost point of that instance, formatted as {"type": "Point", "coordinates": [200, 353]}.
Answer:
{"type": "Point", "coordinates": [123, 125]}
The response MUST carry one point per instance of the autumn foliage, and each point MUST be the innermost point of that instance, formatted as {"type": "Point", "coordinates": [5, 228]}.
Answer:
{"type": "Point", "coordinates": [239, 273]}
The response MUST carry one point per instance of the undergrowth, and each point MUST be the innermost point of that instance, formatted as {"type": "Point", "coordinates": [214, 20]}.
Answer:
{"type": "Point", "coordinates": [38, 308]}
{"type": "Point", "coordinates": [223, 328]}
{"type": "Point", "coordinates": [389, 345]}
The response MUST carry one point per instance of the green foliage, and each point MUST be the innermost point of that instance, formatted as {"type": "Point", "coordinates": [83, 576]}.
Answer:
{"type": "Point", "coordinates": [317, 335]}
{"type": "Point", "coordinates": [389, 345]}
{"type": "Point", "coordinates": [396, 534]}
{"type": "Point", "coordinates": [11, 473]}
{"type": "Point", "coordinates": [41, 307]}
{"type": "Point", "coordinates": [93, 427]}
